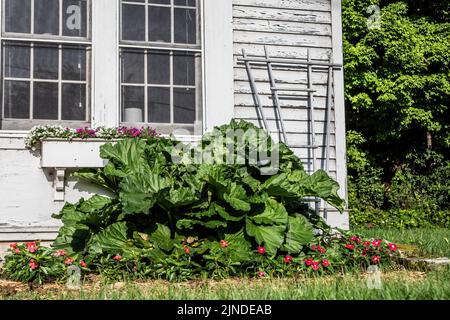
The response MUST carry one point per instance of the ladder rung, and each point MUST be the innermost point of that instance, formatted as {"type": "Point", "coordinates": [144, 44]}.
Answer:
{"type": "Point", "coordinates": [311, 200]}
{"type": "Point", "coordinates": [303, 146]}
{"type": "Point", "coordinates": [291, 97]}
{"type": "Point", "coordinates": [293, 89]}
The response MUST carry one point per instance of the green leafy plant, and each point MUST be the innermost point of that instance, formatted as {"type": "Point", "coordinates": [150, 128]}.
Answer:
{"type": "Point", "coordinates": [157, 202]}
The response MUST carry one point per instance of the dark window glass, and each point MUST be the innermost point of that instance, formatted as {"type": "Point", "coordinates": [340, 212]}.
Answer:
{"type": "Point", "coordinates": [159, 1]}
{"type": "Point", "coordinates": [45, 101]}
{"type": "Point", "coordinates": [16, 95]}
{"type": "Point", "coordinates": [184, 105]}
{"type": "Point", "coordinates": [73, 102]}
{"type": "Point", "coordinates": [189, 3]}
{"type": "Point", "coordinates": [46, 17]}
{"type": "Point", "coordinates": [18, 16]}
{"type": "Point", "coordinates": [74, 63]}
{"type": "Point", "coordinates": [75, 18]}
{"type": "Point", "coordinates": [159, 105]}
{"type": "Point", "coordinates": [133, 104]}
{"type": "Point", "coordinates": [159, 67]}
{"type": "Point", "coordinates": [17, 61]}
{"type": "Point", "coordinates": [45, 62]}
{"type": "Point", "coordinates": [133, 22]}
{"type": "Point", "coordinates": [159, 24]}
{"type": "Point", "coordinates": [185, 26]}
{"type": "Point", "coordinates": [133, 67]}
{"type": "Point", "coordinates": [184, 69]}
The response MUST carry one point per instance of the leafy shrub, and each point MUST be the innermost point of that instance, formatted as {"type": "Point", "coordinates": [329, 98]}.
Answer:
{"type": "Point", "coordinates": [158, 203]}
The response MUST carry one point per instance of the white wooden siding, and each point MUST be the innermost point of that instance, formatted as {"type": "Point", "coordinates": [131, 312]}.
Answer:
{"type": "Point", "coordinates": [288, 28]}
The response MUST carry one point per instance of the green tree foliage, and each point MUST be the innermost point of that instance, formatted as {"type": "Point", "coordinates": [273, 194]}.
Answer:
{"type": "Point", "coordinates": [397, 89]}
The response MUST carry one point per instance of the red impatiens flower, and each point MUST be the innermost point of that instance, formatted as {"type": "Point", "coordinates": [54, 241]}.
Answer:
{"type": "Point", "coordinates": [223, 243]}
{"type": "Point", "coordinates": [376, 243]}
{"type": "Point", "coordinates": [117, 257]}
{"type": "Point", "coordinates": [376, 259]}
{"type": "Point", "coordinates": [288, 259]}
{"type": "Point", "coordinates": [315, 265]}
{"type": "Point", "coordinates": [392, 247]}
{"type": "Point", "coordinates": [60, 253]}
{"type": "Point", "coordinates": [308, 261]}
{"type": "Point", "coordinates": [69, 260]}
{"type": "Point", "coordinates": [32, 247]}
{"type": "Point", "coordinates": [313, 248]}
{"type": "Point", "coordinates": [261, 250]}
{"type": "Point", "coordinates": [325, 263]}
{"type": "Point", "coordinates": [13, 245]}
{"type": "Point", "coordinates": [187, 250]}
{"type": "Point", "coordinates": [83, 264]}
{"type": "Point", "coordinates": [366, 243]}
{"type": "Point", "coordinates": [33, 264]}
{"type": "Point", "coordinates": [350, 246]}
{"type": "Point", "coordinates": [321, 249]}
{"type": "Point", "coordinates": [261, 274]}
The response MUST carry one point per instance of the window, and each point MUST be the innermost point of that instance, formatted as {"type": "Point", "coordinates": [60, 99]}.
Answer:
{"type": "Point", "coordinates": [160, 57]}
{"type": "Point", "coordinates": [45, 62]}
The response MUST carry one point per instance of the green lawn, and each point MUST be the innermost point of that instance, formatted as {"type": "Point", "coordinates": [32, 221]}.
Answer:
{"type": "Point", "coordinates": [432, 242]}
{"type": "Point", "coordinates": [406, 284]}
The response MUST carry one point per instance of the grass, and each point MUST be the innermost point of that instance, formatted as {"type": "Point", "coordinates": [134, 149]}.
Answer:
{"type": "Point", "coordinates": [423, 242]}
{"type": "Point", "coordinates": [395, 285]}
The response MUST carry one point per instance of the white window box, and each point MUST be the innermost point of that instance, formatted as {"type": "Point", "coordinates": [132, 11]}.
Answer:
{"type": "Point", "coordinates": [77, 153]}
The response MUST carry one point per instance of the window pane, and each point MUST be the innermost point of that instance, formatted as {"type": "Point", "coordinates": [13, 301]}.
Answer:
{"type": "Point", "coordinates": [73, 102]}
{"type": "Point", "coordinates": [73, 64]}
{"type": "Point", "coordinates": [184, 69]}
{"type": "Point", "coordinates": [189, 3]}
{"type": "Point", "coordinates": [45, 100]}
{"type": "Point", "coordinates": [159, 1]}
{"type": "Point", "coordinates": [158, 68]}
{"type": "Point", "coordinates": [159, 105]}
{"type": "Point", "coordinates": [185, 26]}
{"type": "Point", "coordinates": [18, 16]}
{"type": "Point", "coordinates": [184, 105]}
{"type": "Point", "coordinates": [17, 61]}
{"type": "Point", "coordinates": [75, 18]}
{"type": "Point", "coordinates": [46, 17]}
{"type": "Point", "coordinates": [133, 67]}
{"type": "Point", "coordinates": [17, 99]}
{"type": "Point", "coordinates": [45, 62]}
{"type": "Point", "coordinates": [159, 24]}
{"type": "Point", "coordinates": [133, 104]}
{"type": "Point", "coordinates": [133, 22]}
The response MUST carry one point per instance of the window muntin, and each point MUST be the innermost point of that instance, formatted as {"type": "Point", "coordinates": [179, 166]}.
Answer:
{"type": "Point", "coordinates": [45, 62]}
{"type": "Point", "coordinates": [161, 62]}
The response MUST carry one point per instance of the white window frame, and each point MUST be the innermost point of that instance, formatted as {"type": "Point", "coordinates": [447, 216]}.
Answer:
{"type": "Point", "coordinates": [60, 41]}
{"type": "Point", "coordinates": [217, 61]}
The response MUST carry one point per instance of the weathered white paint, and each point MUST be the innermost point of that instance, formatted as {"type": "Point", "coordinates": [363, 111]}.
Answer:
{"type": "Point", "coordinates": [105, 63]}
{"type": "Point", "coordinates": [218, 68]}
{"type": "Point", "coordinates": [288, 28]}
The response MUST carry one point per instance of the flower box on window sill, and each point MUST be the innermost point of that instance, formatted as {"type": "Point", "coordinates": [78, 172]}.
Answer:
{"type": "Point", "coordinates": [76, 153]}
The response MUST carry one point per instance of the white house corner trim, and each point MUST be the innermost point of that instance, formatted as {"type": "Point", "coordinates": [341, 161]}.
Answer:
{"type": "Point", "coordinates": [339, 98]}
{"type": "Point", "coordinates": [218, 63]}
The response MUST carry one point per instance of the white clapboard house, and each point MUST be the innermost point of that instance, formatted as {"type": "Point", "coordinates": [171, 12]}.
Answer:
{"type": "Point", "coordinates": [168, 64]}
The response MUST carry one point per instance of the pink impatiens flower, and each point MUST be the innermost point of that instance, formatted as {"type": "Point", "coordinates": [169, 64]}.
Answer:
{"type": "Point", "coordinates": [83, 264]}
{"type": "Point", "coordinates": [392, 247]}
{"type": "Point", "coordinates": [288, 259]}
{"type": "Point", "coordinates": [325, 263]}
{"type": "Point", "coordinates": [261, 274]}
{"type": "Point", "coordinates": [69, 261]}
{"type": "Point", "coordinates": [376, 243]}
{"type": "Point", "coordinates": [376, 259]}
{"type": "Point", "coordinates": [60, 253]}
{"type": "Point", "coordinates": [223, 243]}
{"type": "Point", "coordinates": [117, 257]}
{"type": "Point", "coordinates": [350, 246]}
{"type": "Point", "coordinates": [33, 264]}
{"type": "Point", "coordinates": [261, 250]}
{"type": "Point", "coordinates": [32, 247]}
{"type": "Point", "coordinates": [315, 265]}
{"type": "Point", "coordinates": [308, 261]}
